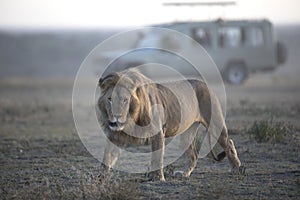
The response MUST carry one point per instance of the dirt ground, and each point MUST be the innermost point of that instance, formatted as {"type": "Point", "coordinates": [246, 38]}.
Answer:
{"type": "Point", "coordinates": [42, 157]}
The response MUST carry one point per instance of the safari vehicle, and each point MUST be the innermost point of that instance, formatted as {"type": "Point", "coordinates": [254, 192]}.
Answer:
{"type": "Point", "coordinates": [238, 48]}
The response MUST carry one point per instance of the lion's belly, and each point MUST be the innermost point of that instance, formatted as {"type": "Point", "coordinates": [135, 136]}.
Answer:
{"type": "Point", "coordinates": [184, 124]}
{"type": "Point", "coordinates": [186, 113]}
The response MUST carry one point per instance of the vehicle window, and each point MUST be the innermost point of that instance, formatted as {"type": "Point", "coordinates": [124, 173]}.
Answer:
{"type": "Point", "coordinates": [202, 36]}
{"type": "Point", "coordinates": [254, 36]}
{"type": "Point", "coordinates": [155, 38]}
{"type": "Point", "coordinates": [230, 37]}
{"type": "Point", "coordinates": [149, 39]}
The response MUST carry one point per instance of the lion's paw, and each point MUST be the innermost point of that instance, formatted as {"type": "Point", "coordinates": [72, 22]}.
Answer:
{"type": "Point", "coordinates": [241, 170]}
{"type": "Point", "coordinates": [156, 176]}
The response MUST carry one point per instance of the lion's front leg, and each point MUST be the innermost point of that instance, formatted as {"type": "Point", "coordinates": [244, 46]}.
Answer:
{"type": "Point", "coordinates": [111, 155]}
{"type": "Point", "coordinates": [157, 145]}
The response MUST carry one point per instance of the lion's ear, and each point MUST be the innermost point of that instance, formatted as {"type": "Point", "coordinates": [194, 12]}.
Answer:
{"type": "Point", "coordinates": [108, 81]}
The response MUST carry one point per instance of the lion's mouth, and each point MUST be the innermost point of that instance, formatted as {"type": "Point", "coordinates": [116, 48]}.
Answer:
{"type": "Point", "coordinates": [116, 126]}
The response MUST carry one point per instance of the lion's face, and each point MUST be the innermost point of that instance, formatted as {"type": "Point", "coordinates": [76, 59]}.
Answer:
{"type": "Point", "coordinates": [123, 103]}
{"type": "Point", "coordinates": [117, 102]}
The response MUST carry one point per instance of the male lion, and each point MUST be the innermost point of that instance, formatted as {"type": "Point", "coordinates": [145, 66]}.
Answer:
{"type": "Point", "coordinates": [128, 116]}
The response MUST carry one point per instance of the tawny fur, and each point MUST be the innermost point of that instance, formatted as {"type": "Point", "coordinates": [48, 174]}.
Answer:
{"type": "Point", "coordinates": [128, 97]}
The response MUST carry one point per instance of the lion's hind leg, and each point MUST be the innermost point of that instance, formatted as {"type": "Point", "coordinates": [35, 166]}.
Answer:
{"type": "Point", "coordinates": [231, 152]}
{"type": "Point", "coordinates": [190, 155]}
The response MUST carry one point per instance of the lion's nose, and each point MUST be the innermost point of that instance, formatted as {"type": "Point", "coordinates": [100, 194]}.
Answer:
{"type": "Point", "coordinates": [117, 116]}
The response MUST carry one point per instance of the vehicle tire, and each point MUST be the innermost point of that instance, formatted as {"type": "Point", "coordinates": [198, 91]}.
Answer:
{"type": "Point", "coordinates": [281, 53]}
{"type": "Point", "coordinates": [235, 74]}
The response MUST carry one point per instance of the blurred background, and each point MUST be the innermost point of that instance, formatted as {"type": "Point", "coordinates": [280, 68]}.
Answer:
{"type": "Point", "coordinates": [52, 38]}
{"type": "Point", "coordinates": [44, 42]}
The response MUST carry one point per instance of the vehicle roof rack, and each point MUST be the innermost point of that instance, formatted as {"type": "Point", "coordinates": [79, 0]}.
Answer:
{"type": "Point", "coordinates": [216, 3]}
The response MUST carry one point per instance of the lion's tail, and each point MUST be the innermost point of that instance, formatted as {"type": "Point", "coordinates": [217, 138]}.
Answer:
{"type": "Point", "coordinates": [218, 157]}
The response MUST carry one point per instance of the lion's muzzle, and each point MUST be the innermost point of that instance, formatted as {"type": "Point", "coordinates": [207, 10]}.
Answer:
{"type": "Point", "coordinates": [116, 126]}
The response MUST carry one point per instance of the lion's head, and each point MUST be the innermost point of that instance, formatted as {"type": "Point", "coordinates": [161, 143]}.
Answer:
{"type": "Point", "coordinates": [122, 96]}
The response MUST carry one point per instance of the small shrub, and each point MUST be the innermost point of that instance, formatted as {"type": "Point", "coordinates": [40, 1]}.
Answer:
{"type": "Point", "coordinates": [112, 189]}
{"type": "Point", "coordinates": [269, 131]}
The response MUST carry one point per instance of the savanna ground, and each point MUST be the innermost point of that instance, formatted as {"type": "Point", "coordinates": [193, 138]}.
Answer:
{"type": "Point", "coordinates": [42, 157]}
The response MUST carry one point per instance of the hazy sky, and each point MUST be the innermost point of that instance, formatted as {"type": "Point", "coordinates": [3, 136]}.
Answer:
{"type": "Point", "coordinates": [98, 13]}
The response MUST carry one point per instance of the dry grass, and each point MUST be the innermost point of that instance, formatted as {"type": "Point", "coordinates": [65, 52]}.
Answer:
{"type": "Point", "coordinates": [42, 157]}
{"type": "Point", "coordinates": [81, 187]}
{"type": "Point", "coordinates": [268, 130]}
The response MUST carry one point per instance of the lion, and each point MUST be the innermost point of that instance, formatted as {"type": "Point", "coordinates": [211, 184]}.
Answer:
{"type": "Point", "coordinates": [127, 116]}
